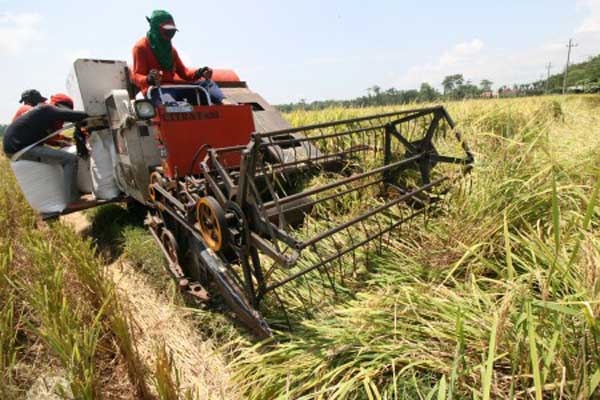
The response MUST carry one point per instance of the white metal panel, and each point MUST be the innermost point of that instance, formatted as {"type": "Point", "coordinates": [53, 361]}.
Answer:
{"type": "Point", "coordinates": [91, 81]}
{"type": "Point", "coordinates": [42, 184]}
{"type": "Point", "coordinates": [118, 107]}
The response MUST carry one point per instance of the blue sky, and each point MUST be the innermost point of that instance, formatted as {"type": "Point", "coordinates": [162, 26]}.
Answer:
{"type": "Point", "coordinates": [303, 49]}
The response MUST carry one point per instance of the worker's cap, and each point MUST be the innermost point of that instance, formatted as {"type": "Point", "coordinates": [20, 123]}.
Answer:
{"type": "Point", "coordinates": [169, 26]}
{"type": "Point", "coordinates": [60, 98]}
{"type": "Point", "coordinates": [32, 95]}
{"type": "Point", "coordinates": [162, 19]}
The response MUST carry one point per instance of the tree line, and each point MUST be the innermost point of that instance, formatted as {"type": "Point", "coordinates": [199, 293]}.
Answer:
{"type": "Point", "coordinates": [583, 77]}
{"type": "Point", "coordinates": [455, 87]}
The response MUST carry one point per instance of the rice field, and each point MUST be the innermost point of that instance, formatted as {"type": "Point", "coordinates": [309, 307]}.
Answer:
{"type": "Point", "coordinates": [494, 295]}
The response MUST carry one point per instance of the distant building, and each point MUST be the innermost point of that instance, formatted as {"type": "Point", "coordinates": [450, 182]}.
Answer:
{"type": "Point", "coordinates": [508, 92]}
{"type": "Point", "coordinates": [576, 89]}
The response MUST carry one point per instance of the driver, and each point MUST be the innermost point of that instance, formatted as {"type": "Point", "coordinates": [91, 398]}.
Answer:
{"type": "Point", "coordinates": [155, 60]}
{"type": "Point", "coordinates": [34, 126]}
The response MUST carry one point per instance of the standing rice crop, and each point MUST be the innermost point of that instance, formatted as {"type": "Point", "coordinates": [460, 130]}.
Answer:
{"type": "Point", "coordinates": [495, 295]}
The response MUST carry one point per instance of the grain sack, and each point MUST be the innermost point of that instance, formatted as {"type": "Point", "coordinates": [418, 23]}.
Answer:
{"type": "Point", "coordinates": [42, 184]}
{"type": "Point", "coordinates": [102, 159]}
{"type": "Point", "coordinates": [84, 174]}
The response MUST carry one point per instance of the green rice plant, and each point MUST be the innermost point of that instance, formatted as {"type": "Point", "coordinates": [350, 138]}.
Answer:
{"type": "Point", "coordinates": [166, 380]}
{"type": "Point", "coordinates": [58, 310]}
{"type": "Point", "coordinates": [495, 296]}
{"type": "Point", "coordinates": [139, 248]}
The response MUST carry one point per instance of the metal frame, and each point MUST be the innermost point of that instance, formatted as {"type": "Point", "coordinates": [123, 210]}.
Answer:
{"type": "Point", "coordinates": [340, 146]}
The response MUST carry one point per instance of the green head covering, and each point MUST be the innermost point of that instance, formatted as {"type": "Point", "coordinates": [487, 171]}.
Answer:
{"type": "Point", "coordinates": [161, 47]}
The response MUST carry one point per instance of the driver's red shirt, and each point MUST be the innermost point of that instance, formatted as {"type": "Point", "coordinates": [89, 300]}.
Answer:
{"type": "Point", "coordinates": [144, 60]}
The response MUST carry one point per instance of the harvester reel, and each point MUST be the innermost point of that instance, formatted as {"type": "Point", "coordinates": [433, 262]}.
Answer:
{"type": "Point", "coordinates": [210, 217]}
{"type": "Point", "coordinates": [254, 240]}
{"type": "Point", "coordinates": [427, 162]}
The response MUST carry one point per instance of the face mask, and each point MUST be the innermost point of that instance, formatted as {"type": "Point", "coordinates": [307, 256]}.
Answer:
{"type": "Point", "coordinates": [167, 33]}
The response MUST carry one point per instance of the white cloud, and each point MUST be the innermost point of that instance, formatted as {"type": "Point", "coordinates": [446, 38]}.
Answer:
{"type": "Point", "coordinates": [17, 31]}
{"type": "Point", "coordinates": [461, 52]}
{"type": "Point", "coordinates": [460, 58]}
{"type": "Point", "coordinates": [476, 61]}
{"type": "Point", "coordinates": [591, 23]}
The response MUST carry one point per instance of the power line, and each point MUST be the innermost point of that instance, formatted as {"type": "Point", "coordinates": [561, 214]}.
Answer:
{"type": "Point", "coordinates": [570, 46]}
{"type": "Point", "coordinates": [548, 67]}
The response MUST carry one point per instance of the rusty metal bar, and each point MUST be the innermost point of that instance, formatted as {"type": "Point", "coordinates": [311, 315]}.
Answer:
{"type": "Point", "coordinates": [341, 254]}
{"type": "Point", "coordinates": [332, 156]}
{"type": "Point", "coordinates": [348, 121]}
{"type": "Point", "coordinates": [323, 136]}
{"type": "Point", "coordinates": [344, 181]}
{"type": "Point", "coordinates": [372, 212]}
{"type": "Point", "coordinates": [169, 197]}
{"type": "Point", "coordinates": [332, 196]}
{"type": "Point", "coordinates": [230, 149]}
{"type": "Point", "coordinates": [222, 172]}
{"type": "Point", "coordinates": [266, 248]}
{"type": "Point", "coordinates": [220, 196]}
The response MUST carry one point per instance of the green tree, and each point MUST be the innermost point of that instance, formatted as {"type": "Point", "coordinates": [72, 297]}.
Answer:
{"type": "Point", "coordinates": [451, 83]}
{"type": "Point", "coordinates": [376, 90]}
{"type": "Point", "coordinates": [448, 84]}
{"type": "Point", "coordinates": [427, 92]}
{"type": "Point", "coordinates": [467, 90]}
{"type": "Point", "coordinates": [486, 85]}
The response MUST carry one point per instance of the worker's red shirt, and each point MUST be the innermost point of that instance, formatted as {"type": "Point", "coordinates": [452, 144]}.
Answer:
{"type": "Point", "coordinates": [144, 60]}
{"type": "Point", "coordinates": [22, 110]}
{"type": "Point", "coordinates": [54, 141]}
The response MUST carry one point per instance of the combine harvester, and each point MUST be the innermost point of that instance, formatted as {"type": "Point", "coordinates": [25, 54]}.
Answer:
{"type": "Point", "coordinates": [233, 191]}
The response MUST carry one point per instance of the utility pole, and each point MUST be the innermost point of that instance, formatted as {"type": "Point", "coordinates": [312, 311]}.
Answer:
{"type": "Point", "coordinates": [570, 46]}
{"type": "Point", "coordinates": [548, 67]}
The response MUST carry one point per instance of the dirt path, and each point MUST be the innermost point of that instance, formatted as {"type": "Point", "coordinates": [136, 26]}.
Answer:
{"type": "Point", "coordinates": [78, 221]}
{"type": "Point", "coordinates": [157, 321]}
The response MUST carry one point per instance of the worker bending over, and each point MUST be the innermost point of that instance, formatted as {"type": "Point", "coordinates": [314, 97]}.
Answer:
{"type": "Point", "coordinates": [156, 61]}
{"type": "Point", "coordinates": [34, 126]}
{"type": "Point", "coordinates": [31, 98]}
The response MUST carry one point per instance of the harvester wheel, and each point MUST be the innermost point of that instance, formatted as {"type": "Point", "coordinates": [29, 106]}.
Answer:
{"type": "Point", "coordinates": [171, 247]}
{"type": "Point", "coordinates": [211, 222]}
{"type": "Point", "coordinates": [155, 178]}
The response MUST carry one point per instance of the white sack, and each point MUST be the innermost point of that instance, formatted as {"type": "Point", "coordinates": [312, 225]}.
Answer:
{"type": "Point", "coordinates": [42, 184]}
{"type": "Point", "coordinates": [84, 174]}
{"type": "Point", "coordinates": [102, 159]}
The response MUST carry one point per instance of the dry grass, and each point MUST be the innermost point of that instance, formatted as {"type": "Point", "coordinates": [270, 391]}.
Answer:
{"type": "Point", "coordinates": [180, 363]}
{"type": "Point", "coordinates": [162, 326]}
